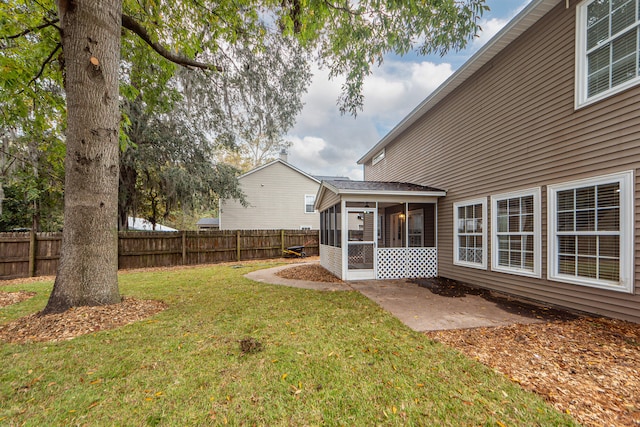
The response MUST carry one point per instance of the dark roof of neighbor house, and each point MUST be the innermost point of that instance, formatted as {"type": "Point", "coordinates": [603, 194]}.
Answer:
{"type": "Point", "coordinates": [379, 186]}
{"type": "Point", "coordinates": [515, 28]}
{"type": "Point", "coordinates": [208, 221]}
{"type": "Point", "coordinates": [331, 178]}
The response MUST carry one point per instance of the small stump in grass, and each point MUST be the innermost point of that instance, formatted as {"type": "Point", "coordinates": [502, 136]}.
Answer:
{"type": "Point", "coordinates": [250, 345]}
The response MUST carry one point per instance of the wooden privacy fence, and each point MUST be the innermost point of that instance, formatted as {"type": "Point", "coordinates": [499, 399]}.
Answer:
{"type": "Point", "coordinates": [37, 254]}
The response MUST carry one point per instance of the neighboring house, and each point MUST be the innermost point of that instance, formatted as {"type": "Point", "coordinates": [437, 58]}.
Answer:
{"type": "Point", "coordinates": [279, 196]}
{"type": "Point", "coordinates": [141, 224]}
{"type": "Point", "coordinates": [525, 169]}
{"type": "Point", "coordinates": [205, 224]}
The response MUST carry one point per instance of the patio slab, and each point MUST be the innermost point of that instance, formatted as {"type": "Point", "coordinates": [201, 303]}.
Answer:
{"type": "Point", "coordinates": [422, 308]}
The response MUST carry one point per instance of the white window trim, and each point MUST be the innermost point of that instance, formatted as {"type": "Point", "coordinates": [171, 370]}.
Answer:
{"type": "Point", "coordinates": [456, 244]}
{"type": "Point", "coordinates": [537, 233]}
{"type": "Point", "coordinates": [305, 203]}
{"type": "Point", "coordinates": [378, 157]}
{"type": "Point", "coordinates": [581, 99]}
{"type": "Point", "coordinates": [627, 253]}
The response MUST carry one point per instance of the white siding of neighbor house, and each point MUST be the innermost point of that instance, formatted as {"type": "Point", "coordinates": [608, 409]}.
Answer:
{"type": "Point", "coordinates": [511, 126]}
{"type": "Point", "coordinates": [276, 201]}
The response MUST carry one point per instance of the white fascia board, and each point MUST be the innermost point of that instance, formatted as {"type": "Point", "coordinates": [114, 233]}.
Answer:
{"type": "Point", "coordinates": [266, 165]}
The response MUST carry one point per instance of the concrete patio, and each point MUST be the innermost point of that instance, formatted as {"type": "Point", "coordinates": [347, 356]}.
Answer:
{"type": "Point", "coordinates": [420, 308]}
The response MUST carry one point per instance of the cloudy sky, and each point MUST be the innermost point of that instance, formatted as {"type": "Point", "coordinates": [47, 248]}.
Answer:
{"type": "Point", "coordinates": [326, 143]}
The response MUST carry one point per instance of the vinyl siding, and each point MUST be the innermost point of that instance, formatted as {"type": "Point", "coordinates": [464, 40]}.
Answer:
{"type": "Point", "coordinates": [329, 199]}
{"type": "Point", "coordinates": [276, 201]}
{"type": "Point", "coordinates": [513, 126]}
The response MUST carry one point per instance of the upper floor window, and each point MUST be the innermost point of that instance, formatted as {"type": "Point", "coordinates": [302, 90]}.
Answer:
{"type": "Point", "coordinates": [607, 48]}
{"type": "Point", "coordinates": [377, 157]}
{"type": "Point", "coordinates": [470, 233]}
{"type": "Point", "coordinates": [309, 202]}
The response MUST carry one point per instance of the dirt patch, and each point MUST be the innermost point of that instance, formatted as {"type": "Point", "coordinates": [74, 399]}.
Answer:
{"type": "Point", "coordinates": [78, 321]}
{"type": "Point", "coordinates": [8, 298]}
{"type": "Point", "coordinates": [312, 272]}
{"type": "Point", "coordinates": [454, 289]}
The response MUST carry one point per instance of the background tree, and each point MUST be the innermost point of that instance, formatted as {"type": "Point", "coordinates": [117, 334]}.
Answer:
{"type": "Point", "coordinates": [348, 38]}
{"type": "Point", "coordinates": [168, 167]}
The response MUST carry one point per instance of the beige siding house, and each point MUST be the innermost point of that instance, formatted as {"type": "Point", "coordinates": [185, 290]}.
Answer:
{"type": "Point", "coordinates": [534, 144]}
{"type": "Point", "coordinates": [279, 196]}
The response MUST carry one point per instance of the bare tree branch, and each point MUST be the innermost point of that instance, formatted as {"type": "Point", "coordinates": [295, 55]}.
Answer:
{"type": "Point", "coordinates": [44, 64]}
{"type": "Point", "coordinates": [132, 25]}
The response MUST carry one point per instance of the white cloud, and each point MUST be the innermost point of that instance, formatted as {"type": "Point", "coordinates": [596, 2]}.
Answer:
{"type": "Point", "coordinates": [326, 143]}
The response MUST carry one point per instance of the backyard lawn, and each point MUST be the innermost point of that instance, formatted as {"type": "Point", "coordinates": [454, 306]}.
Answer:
{"type": "Point", "coordinates": [227, 350]}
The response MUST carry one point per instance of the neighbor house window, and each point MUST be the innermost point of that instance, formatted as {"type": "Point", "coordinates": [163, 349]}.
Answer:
{"type": "Point", "coordinates": [606, 49]}
{"type": "Point", "coordinates": [516, 232]}
{"type": "Point", "coordinates": [309, 202]}
{"type": "Point", "coordinates": [377, 157]}
{"type": "Point", "coordinates": [470, 236]}
{"type": "Point", "coordinates": [591, 232]}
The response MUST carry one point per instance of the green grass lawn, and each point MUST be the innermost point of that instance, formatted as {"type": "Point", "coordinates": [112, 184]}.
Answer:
{"type": "Point", "coordinates": [326, 359]}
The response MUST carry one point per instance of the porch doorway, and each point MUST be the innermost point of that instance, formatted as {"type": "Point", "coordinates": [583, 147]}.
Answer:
{"type": "Point", "coordinates": [361, 243]}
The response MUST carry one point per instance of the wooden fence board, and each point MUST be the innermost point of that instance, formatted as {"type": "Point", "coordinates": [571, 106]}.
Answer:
{"type": "Point", "coordinates": [141, 249]}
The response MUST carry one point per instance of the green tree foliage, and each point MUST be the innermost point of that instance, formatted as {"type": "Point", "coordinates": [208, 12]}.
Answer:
{"type": "Point", "coordinates": [31, 174]}
{"type": "Point", "coordinates": [168, 169]}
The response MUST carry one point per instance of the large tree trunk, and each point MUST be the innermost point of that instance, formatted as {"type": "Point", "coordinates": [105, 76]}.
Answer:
{"type": "Point", "coordinates": [87, 274]}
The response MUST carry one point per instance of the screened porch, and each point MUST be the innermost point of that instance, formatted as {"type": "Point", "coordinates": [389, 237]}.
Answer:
{"type": "Point", "coordinates": [376, 230]}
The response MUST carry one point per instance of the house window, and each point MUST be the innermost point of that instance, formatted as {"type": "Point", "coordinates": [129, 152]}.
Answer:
{"type": "Point", "coordinates": [305, 227]}
{"type": "Point", "coordinates": [606, 49]}
{"type": "Point", "coordinates": [591, 232]}
{"type": "Point", "coordinates": [309, 202]}
{"type": "Point", "coordinates": [470, 234]}
{"type": "Point", "coordinates": [377, 157]}
{"type": "Point", "coordinates": [516, 233]}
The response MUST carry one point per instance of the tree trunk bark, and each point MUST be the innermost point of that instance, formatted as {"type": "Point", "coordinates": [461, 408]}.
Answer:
{"type": "Point", "coordinates": [87, 273]}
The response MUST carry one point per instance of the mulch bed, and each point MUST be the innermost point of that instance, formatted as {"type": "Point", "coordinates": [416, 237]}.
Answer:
{"type": "Point", "coordinates": [78, 321]}
{"type": "Point", "coordinates": [312, 272]}
{"type": "Point", "coordinates": [587, 367]}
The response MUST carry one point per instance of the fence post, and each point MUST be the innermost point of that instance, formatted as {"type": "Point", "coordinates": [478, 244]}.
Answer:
{"type": "Point", "coordinates": [238, 245]}
{"type": "Point", "coordinates": [32, 253]}
{"type": "Point", "coordinates": [281, 242]}
{"type": "Point", "coordinates": [184, 247]}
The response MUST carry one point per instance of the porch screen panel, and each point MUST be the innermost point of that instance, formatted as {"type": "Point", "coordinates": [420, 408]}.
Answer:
{"type": "Point", "coordinates": [332, 225]}
{"type": "Point", "coordinates": [338, 232]}
{"type": "Point", "coordinates": [416, 228]}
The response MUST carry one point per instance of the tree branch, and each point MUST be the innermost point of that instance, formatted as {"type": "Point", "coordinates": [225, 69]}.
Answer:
{"type": "Point", "coordinates": [132, 25]}
{"type": "Point", "coordinates": [44, 64]}
{"type": "Point", "coordinates": [31, 30]}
